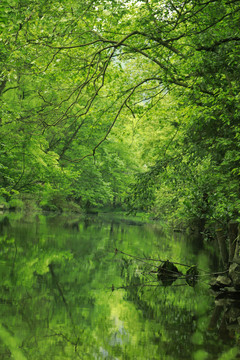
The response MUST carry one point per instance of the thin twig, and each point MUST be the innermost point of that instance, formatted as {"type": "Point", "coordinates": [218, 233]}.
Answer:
{"type": "Point", "coordinates": [149, 259]}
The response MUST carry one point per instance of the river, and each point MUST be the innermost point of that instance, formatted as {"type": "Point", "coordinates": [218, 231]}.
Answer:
{"type": "Point", "coordinates": [85, 289]}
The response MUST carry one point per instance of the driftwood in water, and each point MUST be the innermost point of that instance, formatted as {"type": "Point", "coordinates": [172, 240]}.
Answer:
{"type": "Point", "coordinates": [168, 273]}
{"type": "Point", "coordinates": [192, 275]}
{"type": "Point", "coordinates": [227, 282]}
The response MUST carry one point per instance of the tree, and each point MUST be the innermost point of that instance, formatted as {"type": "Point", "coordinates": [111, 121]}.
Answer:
{"type": "Point", "coordinates": [79, 69]}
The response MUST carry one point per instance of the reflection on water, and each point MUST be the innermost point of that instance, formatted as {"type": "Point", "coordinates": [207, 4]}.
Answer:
{"type": "Point", "coordinates": [67, 294]}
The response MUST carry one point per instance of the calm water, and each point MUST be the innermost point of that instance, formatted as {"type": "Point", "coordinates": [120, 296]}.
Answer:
{"type": "Point", "coordinates": [66, 294]}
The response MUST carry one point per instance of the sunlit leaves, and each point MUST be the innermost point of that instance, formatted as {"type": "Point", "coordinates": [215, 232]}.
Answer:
{"type": "Point", "coordinates": [71, 72]}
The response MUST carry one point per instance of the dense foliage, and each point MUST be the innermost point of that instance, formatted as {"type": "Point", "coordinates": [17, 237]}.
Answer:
{"type": "Point", "coordinates": [95, 92]}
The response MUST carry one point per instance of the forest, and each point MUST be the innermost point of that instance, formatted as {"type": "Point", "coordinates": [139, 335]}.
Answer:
{"type": "Point", "coordinates": [119, 146]}
{"type": "Point", "coordinates": [130, 105]}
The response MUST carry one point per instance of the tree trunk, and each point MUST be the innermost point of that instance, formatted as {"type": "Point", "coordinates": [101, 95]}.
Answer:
{"type": "Point", "coordinates": [233, 237]}
{"type": "Point", "coordinates": [222, 243]}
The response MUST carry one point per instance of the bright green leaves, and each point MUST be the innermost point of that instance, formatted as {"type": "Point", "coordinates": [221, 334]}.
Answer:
{"type": "Point", "coordinates": [12, 343]}
{"type": "Point", "coordinates": [72, 72]}
{"type": "Point", "coordinates": [38, 264]}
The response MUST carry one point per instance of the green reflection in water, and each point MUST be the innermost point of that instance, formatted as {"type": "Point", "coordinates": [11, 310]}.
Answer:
{"type": "Point", "coordinates": [57, 299]}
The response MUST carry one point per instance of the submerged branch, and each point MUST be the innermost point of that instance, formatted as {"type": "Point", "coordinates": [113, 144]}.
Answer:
{"type": "Point", "coordinates": [149, 259]}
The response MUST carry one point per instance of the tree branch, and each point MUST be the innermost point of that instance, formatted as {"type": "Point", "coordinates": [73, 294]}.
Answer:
{"type": "Point", "coordinates": [114, 121]}
{"type": "Point", "coordinates": [218, 43]}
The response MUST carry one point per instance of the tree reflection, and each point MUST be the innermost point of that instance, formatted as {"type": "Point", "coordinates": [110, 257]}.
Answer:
{"type": "Point", "coordinates": [65, 295]}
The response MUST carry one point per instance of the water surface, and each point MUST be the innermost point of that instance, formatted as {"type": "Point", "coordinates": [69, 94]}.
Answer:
{"type": "Point", "coordinates": [66, 293]}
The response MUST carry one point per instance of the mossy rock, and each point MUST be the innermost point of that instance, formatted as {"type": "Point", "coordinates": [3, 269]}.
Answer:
{"type": "Point", "coordinates": [234, 274]}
